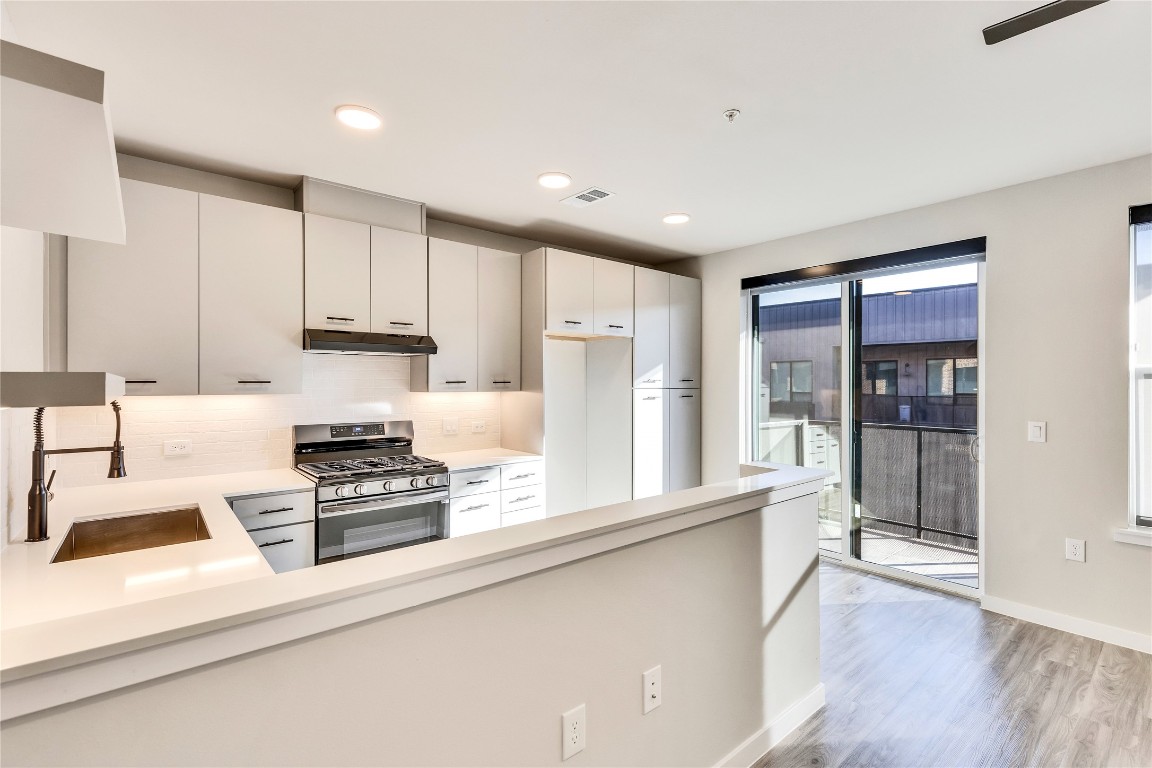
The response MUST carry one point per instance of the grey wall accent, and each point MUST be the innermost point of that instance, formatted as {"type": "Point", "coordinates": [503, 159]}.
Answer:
{"type": "Point", "coordinates": [327, 198]}
{"type": "Point", "coordinates": [168, 175]}
{"type": "Point", "coordinates": [730, 610]}
{"type": "Point", "coordinates": [46, 71]}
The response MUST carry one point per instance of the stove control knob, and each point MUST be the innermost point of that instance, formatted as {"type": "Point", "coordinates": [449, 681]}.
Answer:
{"type": "Point", "coordinates": [342, 490]}
{"type": "Point", "coordinates": [389, 485]}
{"type": "Point", "coordinates": [415, 482]}
{"type": "Point", "coordinates": [430, 480]}
{"type": "Point", "coordinates": [360, 489]}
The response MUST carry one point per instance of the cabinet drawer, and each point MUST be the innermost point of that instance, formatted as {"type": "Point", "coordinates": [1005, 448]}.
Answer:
{"type": "Point", "coordinates": [515, 499]}
{"type": "Point", "coordinates": [257, 512]}
{"type": "Point", "coordinates": [287, 547]}
{"type": "Point", "coordinates": [473, 514]}
{"type": "Point", "coordinates": [522, 516]}
{"type": "Point", "coordinates": [471, 481]}
{"type": "Point", "coordinates": [522, 473]}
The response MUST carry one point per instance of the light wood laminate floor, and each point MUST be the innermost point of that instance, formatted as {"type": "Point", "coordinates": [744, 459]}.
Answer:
{"type": "Point", "coordinates": [916, 678]}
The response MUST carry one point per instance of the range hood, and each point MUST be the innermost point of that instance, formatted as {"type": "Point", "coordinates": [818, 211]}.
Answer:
{"type": "Point", "coordinates": [361, 343]}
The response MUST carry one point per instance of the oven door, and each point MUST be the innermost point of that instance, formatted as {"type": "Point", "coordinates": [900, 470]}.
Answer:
{"type": "Point", "coordinates": [347, 529]}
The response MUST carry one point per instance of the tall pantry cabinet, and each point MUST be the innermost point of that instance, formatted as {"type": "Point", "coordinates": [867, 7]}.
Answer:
{"type": "Point", "coordinates": [666, 379]}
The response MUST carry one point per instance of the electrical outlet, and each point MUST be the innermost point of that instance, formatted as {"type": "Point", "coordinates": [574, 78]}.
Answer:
{"type": "Point", "coordinates": [572, 728]}
{"type": "Point", "coordinates": [479, 426]}
{"type": "Point", "coordinates": [451, 425]}
{"type": "Point", "coordinates": [652, 695]}
{"type": "Point", "coordinates": [177, 447]}
{"type": "Point", "coordinates": [1074, 549]}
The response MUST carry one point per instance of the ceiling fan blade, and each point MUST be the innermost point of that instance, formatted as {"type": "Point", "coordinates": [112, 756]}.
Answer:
{"type": "Point", "coordinates": [1037, 17]}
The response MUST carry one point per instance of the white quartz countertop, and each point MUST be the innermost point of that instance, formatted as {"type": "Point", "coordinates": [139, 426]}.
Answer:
{"type": "Point", "coordinates": [34, 590]}
{"type": "Point", "coordinates": [487, 457]}
{"type": "Point", "coordinates": [56, 616]}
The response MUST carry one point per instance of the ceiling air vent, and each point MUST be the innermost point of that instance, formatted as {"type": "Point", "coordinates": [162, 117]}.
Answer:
{"type": "Point", "coordinates": [587, 197]}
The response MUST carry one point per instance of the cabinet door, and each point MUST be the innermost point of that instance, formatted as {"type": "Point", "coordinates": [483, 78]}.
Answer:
{"type": "Point", "coordinates": [452, 316]}
{"type": "Point", "coordinates": [683, 438]}
{"type": "Point", "coordinates": [399, 282]}
{"type": "Point", "coordinates": [337, 272]}
{"type": "Point", "coordinates": [251, 298]}
{"type": "Point", "coordinates": [684, 332]}
{"type": "Point", "coordinates": [612, 297]}
{"type": "Point", "coordinates": [132, 308]}
{"type": "Point", "coordinates": [568, 292]}
{"type": "Point", "coordinates": [649, 442]}
{"type": "Point", "coordinates": [287, 547]}
{"type": "Point", "coordinates": [650, 348]}
{"type": "Point", "coordinates": [498, 320]}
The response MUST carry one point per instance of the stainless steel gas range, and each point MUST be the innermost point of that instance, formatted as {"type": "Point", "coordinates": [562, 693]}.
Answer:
{"type": "Point", "coordinates": [372, 494]}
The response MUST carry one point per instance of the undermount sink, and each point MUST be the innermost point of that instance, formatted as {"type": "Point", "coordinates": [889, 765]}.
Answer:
{"type": "Point", "coordinates": [131, 531]}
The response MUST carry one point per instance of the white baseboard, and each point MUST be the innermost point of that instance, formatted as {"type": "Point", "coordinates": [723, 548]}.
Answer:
{"type": "Point", "coordinates": [758, 744]}
{"type": "Point", "coordinates": [1125, 638]}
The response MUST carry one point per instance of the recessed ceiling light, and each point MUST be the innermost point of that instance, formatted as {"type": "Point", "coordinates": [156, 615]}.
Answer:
{"type": "Point", "coordinates": [554, 180]}
{"type": "Point", "coordinates": [676, 218]}
{"type": "Point", "coordinates": [355, 116]}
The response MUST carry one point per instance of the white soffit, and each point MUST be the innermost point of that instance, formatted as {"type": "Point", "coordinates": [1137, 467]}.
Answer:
{"type": "Point", "coordinates": [848, 109]}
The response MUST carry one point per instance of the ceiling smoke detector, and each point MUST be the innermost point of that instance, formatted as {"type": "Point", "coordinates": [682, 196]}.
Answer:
{"type": "Point", "coordinates": [587, 197]}
{"type": "Point", "coordinates": [731, 114]}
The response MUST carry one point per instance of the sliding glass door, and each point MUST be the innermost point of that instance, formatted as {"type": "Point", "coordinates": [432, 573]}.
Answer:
{"type": "Point", "coordinates": [874, 375]}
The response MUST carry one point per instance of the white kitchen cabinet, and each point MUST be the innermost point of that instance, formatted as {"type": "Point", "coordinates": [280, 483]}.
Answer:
{"type": "Point", "coordinates": [452, 296]}
{"type": "Point", "coordinates": [287, 547]}
{"type": "Point", "coordinates": [337, 274]}
{"type": "Point", "coordinates": [521, 474]}
{"type": "Point", "coordinates": [132, 308]}
{"type": "Point", "coordinates": [517, 499]}
{"type": "Point", "coordinates": [650, 343]}
{"type": "Point", "coordinates": [470, 481]}
{"type": "Point", "coordinates": [612, 297]}
{"type": "Point", "coordinates": [683, 438]}
{"type": "Point", "coordinates": [649, 442]}
{"type": "Point", "coordinates": [473, 514]}
{"type": "Point", "coordinates": [521, 516]}
{"type": "Point", "coordinates": [684, 320]}
{"type": "Point", "coordinates": [399, 282]}
{"type": "Point", "coordinates": [497, 321]}
{"type": "Point", "coordinates": [569, 291]}
{"type": "Point", "coordinates": [275, 509]}
{"type": "Point", "coordinates": [251, 295]}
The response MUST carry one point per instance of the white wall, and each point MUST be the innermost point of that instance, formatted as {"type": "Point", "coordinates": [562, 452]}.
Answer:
{"type": "Point", "coordinates": [250, 432]}
{"type": "Point", "coordinates": [730, 610]}
{"type": "Point", "coordinates": [1057, 314]}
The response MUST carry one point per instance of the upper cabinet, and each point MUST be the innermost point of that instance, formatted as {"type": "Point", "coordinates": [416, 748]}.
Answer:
{"type": "Point", "coordinates": [132, 308]}
{"type": "Point", "coordinates": [498, 320]}
{"type": "Point", "coordinates": [612, 301]}
{"type": "Point", "coordinates": [251, 292]}
{"type": "Point", "coordinates": [474, 317]}
{"type": "Point", "coordinates": [399, 282]}
{"type": "Point", "coordinates": [684, 320]}
{"type": "Point", "coordinates": [337, 274]}
{"type": "Point", "coordinates": [568, 292]}
{"type": "Point", "coordinates": [650, 350]}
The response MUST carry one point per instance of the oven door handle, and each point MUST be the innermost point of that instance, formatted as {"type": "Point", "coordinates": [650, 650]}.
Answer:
{"type": "Point", "coordinates": [349, 508]}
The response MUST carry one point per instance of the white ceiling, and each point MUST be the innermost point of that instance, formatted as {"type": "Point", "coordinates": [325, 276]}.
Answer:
{"type": "Point", "coordinates": [850, 109]}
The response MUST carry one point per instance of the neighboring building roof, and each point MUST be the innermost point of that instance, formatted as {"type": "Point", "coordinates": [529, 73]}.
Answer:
{"type": "Point", "coordinates": [927, 315]}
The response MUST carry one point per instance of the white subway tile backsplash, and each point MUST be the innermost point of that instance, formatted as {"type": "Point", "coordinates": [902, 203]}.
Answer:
{"type": "Point", "coordinates": [253, 432]}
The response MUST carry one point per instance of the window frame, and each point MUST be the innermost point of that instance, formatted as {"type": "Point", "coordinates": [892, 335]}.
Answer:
{"type": "Point", "coordinates": [866, 380]}
{"type": "Point", "coordinates": [792, 391]}
{"type": "Point", "coordinates": [1139, 371]}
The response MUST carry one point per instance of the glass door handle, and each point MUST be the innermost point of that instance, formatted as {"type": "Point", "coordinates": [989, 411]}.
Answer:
{"type": "Point", "coordinates": [974, 449]}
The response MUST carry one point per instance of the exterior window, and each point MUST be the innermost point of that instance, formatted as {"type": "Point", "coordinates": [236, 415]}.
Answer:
{"type": "Point", "coordinates": [880, 377]}
{"type": "Point", "coordinates": [951, 376]}
{"type": "Point", "coordinates": [1140, 382]}
{"type": "Point", "coordinates": [790, 381]}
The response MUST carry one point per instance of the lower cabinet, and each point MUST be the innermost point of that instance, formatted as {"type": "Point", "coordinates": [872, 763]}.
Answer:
{"type": "Point", "coordinates": [282, 525]}
{"type": "Point", "coordinates": [665, 441]}
{"type": "Point", "coordinates": [484, 498]}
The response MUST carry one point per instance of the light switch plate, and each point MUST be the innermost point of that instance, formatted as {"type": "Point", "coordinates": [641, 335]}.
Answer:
{"type": "Point", "coordinates": [451, 425]}
{"type": "Point", "coordinates": [1037, 431]}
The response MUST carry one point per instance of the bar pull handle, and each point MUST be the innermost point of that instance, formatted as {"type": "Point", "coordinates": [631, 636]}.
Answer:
{"type": "Point", "coordinates": [615, 326]}
{"type": "Point", "coordinates": [342, 319]}
{"type": "Point", "coordinates": [140, 381]}
{"type": "Point", "coordinates": [650, 381]}
{"type": "Point", "coordinates": [253, 381]}
{"type": "Point", "coordinates": [501, 382]}
{"type": "Point", "coordinates": [650, 398]}
{"type": "Point", "coordinates": [461, 381]}
{"type": "Point", "coordinates": [397, 322]}
{"type": "Point", "coordinates": [521, 477]}
{"type": "Point", "coordinates": [474, 507]}
{"type": "Point", "coordinates": [687, 395]}
{"type": "Point", "coordinates": [574, 322]}
{"type": "Point", "coordinates": [476, 482]}
{"type": "Point", "coordinates": [687, 379]}
{"type": "Point", "coordinates": [522, 498]}
{"type": "Point", "coordinates": [271, 511]}
{"type": "Point", "coordinates": [274, 543]}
